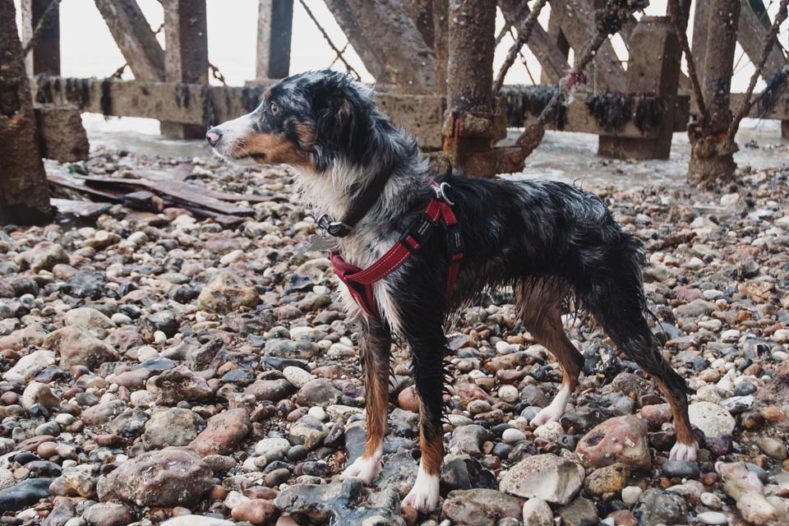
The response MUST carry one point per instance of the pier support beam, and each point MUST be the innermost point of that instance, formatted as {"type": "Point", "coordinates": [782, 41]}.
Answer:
{"type": "Point", "coordinates": [275, 28]}
{"type": "Point", "coordinates": [654, 69]}
{"type": "Point", "coordinates": [24, 194]}
{"type": "Point", "coordinates": [711, 154]}
{"type": "Point", "coordinates": [185, 55]}
{"type": "Point", "coordinates": [45, 55]}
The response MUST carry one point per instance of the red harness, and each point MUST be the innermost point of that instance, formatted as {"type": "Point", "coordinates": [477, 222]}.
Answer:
{"type": "Point", "coordinates": [360, 282]}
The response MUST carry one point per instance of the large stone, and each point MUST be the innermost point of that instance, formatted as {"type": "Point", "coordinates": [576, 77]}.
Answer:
{"type": "Point", "coordinates": [661, 507]}
{"type": "Point", "coordinates": [580, 512]}
{"type": "Point", "coordinates": [43, 256]}
{"type": "Point", "coordinates": [169, 477]}
{"type": "Point", "coordinates": [546, 477]}
{"type": "Point", "coordinates": [24, 494]}
{"type": "Point", "coordinates": [196, 520]}
{"type": "Point", "coordinates": [171, 427]}
{"type": "Point", "coordinates": [537, 512]}
{"type": "Point", "coordinates": [609, 479]}
{"type": "Point", "coordinates": [39, 393]}
{"type": "Point", "coordinates": [318, 392]}
{"type": "Point", "coordinates": [346, 502]}
{"type": "Point", "coordinates": [179, 384]}
{"type": "Point", "coordinates": [227, 292]}
{"type": "Point", "coordinates": [620, 439]}
{"type": "Point", "coordinates": [480, 507]}
{"type": "Point", "coordinates": [77, 346]}
{"type": "Point", "coordinates": [29, 365]}
{"type": "Point", "coordinates": [91, 320]}
{"type": "Point", "coordinates": [273, 389]}
{"type": "Point", "coordinates": [222, 433]}
{"type": "Point", "coordinates": [712, 419]}
{"type": "Point", "coordinates": [108, 514]}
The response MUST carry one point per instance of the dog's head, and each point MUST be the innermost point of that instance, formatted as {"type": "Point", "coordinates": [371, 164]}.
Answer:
{"type": "Point", "coordinates": [307, 120]}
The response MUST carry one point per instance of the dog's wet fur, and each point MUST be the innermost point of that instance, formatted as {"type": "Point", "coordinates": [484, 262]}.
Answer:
{"type": "Point", "coordinates": [548, 240]}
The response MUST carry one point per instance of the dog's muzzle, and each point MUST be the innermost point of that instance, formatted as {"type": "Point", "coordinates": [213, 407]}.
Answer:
{"type": "Point", "coordinates": [213, 136]}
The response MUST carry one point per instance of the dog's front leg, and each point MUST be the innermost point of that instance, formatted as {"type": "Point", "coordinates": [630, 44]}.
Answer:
{"type": "Point", "coordinates": [427, 342]}
{"type": "Point", "coordinates": [375, 344]}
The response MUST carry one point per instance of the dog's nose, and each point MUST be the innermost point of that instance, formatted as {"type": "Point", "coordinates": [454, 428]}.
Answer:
{"type": "Point", "coordinates": [213, 135]}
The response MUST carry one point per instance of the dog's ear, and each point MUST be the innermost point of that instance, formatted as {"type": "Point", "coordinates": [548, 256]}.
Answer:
{"type": "Point", "coordinates": [337, 109]}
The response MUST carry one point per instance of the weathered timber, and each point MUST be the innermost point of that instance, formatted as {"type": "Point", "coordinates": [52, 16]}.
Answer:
{"type": "Point", "coordinates": [472, 125]}
{"type": "Point", "coordinates": [420, 115]}
{"type": "Point", "coordinates": [60, 179]}
{"type": "Point", "coordinates": [371, 26]}
{"type": "Point", "coordinates": [576, 19]}
{"type": "Point", "coordinates": [712, 155]}
{"type": "Point", "coordinates": [555, 34]}
{"type": "Point", "coordinates": [174, 177]}
{"type": "Point", "coordinates": [551, 54]}
{"type": "Point", "coordinates": [181, 193]}
{"type": "Point", "coordinates": [24, 195]}
{"type": "Point", "coordinates": [61, 133]}
{"type": "Point", "coordinates": [45, 55]}
{"type": "Point", "coordinates": [275, 27]}
{"type": "Point", "coordinates": [134, 38]}
{"type": "Point", "coordinates": [185, 55]}
{"type": "Point", "coordinates": [654, 68]}
{"type": "Point", "coordinates": [751, 33]}
{"type": "Point", "coordinates": [79, 209]}
{"type": "Point", "coordinates": [441, 44]}
{"type": "Point", "coordinates": [578, 118]}
{"type": "Point", "coordinates": [421, 12]}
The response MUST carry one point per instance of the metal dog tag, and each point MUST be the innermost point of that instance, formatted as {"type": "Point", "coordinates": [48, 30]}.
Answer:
{"type": "Point", "coordinates": [322, 243]}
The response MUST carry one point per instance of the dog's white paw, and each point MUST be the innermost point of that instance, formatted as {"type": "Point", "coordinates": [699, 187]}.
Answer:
{"type": "Point", "coordinates": [682, 451]}
{"type": "Point", "coordinates": [423, 497]}
{"type": "Point", "coordinates": [553, 411]}
{"type": "Point", "coordinates": [547, 414]}
{"type": "Point", "coordinates": [363, 468]}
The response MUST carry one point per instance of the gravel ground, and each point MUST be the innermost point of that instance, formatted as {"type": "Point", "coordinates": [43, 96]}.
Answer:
{"type": "Point", "coordinates": [158, 368]}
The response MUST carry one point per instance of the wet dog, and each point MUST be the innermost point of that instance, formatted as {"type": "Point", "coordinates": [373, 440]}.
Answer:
{"type": "Point", "coordinates": [547, 240]}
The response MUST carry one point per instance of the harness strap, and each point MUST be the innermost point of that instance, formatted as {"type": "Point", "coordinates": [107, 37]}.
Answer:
{"type": "Point", "coordinates": [360, 281]}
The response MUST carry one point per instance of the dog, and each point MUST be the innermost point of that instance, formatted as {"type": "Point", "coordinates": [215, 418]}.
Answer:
{"type": "Point", "coordinates": [547, 240]}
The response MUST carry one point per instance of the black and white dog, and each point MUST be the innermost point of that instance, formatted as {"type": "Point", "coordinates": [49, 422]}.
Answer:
{"type": "Point", "coordinates": [546, 239]}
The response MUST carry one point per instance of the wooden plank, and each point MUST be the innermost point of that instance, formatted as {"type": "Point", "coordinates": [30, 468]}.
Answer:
{"type": "Point", "coordinates": [779, 111]}
{"type": "Point", "coordinates": [134, 38]}
{"type": "Point", "coordinates": [275, 28]}
{"type": "Point", "coordinates": [183, 193]}
{"type": "Point", "coordinates": [81, 209]}
{"type": "Point", "coordinates": [579, 119]}
{"type": "Point", "coordinates": [370, 26]}
{"type": "Point", "coordinates": [44, 58]}
{"type": "Point", "coordinates": [185, 55]}
{"type": "Point", "coordinates": [61, 178]}
{"type": "Point", "coordinates": [552, 57]}
{"type": "Point", "coordinates": [420, 115]}
{"type": "Point", "coordinates": [167, 176]}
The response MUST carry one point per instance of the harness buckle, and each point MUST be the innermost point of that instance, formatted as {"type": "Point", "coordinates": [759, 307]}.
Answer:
{"type": "Point", "coordinates": [333, 228]}
{"type": "Point", "coordinates": [441, 192]}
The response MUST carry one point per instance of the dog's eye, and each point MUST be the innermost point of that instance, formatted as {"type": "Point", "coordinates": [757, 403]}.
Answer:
{"type": "Point", "coordinates": [273, 108]}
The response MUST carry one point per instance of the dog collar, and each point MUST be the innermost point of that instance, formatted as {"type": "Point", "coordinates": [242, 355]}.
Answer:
{"type": "Point", "coordinates": [358, 208]}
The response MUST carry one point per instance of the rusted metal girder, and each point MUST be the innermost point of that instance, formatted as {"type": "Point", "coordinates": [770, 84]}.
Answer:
{"type": "Point", "coordinates": [24, 194]}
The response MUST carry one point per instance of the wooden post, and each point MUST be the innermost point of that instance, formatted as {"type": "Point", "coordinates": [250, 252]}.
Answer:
{"type": "Point", "coordinates": [473, 125]}
{"type": "Point", "coordinates": [24, 194]}
{"type": "Point", "coordinates": [653, 69]}
{"type": "Point", "coordinates": [711, 155]}
{"type": "Point", "coordinates": [441, 43]}
{"type": "Point", "coordinates": [275, 26]}
{"type": "Point", "coordinates": [557, 37]}
{"type": "Point", "coordinates": [45, 55]}
{"type": "Point", "coordinates": [186, 55]}
{"type": "Point", "coordinates": [134, 37]}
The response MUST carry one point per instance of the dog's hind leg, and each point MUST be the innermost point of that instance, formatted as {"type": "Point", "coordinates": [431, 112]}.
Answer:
{"type": "Point", "coordinates": [375, 343]}
{"type": "Point", "coordinates": [540, 303]}
{"type": "Point", "coordinates": [616, 299]}
{"type": "Point", "coordinates": [427, 342]}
